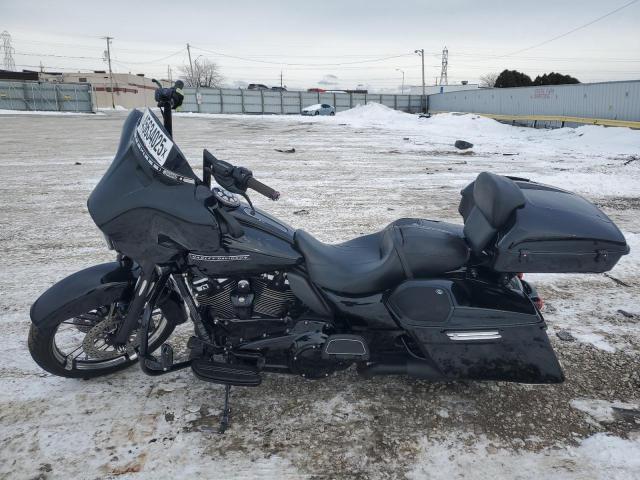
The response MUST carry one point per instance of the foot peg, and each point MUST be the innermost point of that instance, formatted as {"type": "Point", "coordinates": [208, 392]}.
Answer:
{"type": "Point", "coordinates": [226, 373]}
{"type": "Point", "coordinates": [346, 348]}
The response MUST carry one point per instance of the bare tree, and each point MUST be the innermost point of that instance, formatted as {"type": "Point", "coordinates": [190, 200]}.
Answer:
{"type": "Point", "coordinates": [206, 73]}
{"type": "Point", "coordinates": [488, 80]}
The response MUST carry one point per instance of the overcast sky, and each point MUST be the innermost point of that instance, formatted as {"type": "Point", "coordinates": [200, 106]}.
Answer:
{"type": "Point", "coordinates": [306, 39]}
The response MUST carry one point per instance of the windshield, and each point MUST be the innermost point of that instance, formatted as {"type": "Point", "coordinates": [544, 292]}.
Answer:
{"type": "Point", "coordinates": [154, 146]}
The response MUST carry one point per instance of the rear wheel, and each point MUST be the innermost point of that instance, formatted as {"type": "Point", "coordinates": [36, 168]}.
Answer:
{"type": "Point", "coordinates": [332, 113]}
{"type": "Point", "coordinates": [80, 347]}
{"type": "Point", "coordinates": [317, 112]}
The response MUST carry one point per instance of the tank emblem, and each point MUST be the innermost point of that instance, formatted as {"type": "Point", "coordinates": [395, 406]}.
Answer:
{"type": "Point", "coordinates": [218, 258]}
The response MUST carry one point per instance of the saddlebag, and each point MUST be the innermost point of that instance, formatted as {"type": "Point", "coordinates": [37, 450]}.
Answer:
{"type": "Point", "coordinates": [471, 329]}
{"type": "Point", "coordinates": [553, 231]}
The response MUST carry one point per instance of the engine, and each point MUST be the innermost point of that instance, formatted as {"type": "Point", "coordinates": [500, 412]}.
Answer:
{"type": "Point", "coordinates": [264, 296]}
{"type": "Point", "coordinates": [263, 310]}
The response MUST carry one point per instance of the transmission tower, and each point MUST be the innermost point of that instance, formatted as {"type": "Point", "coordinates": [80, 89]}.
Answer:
{"type": "Point", "coordinates": [5, 43]}
{"type": "Point", "coordinates": [445, 62]}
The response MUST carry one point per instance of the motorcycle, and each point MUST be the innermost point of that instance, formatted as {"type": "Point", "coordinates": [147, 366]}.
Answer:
{"type": "Point", "coordinates": [423, 298]}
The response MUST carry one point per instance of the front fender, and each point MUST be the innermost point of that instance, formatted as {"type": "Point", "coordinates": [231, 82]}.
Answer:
{"type": "Point", "coordinates": [81, 292]}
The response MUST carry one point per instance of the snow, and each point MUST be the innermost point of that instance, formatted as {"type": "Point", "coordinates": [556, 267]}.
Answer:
{"type": "Point", "coordinates": [41, 112]}
{"type": "Point", "coordinates": [354, 173]}
{"type": "Point", "coordinates": [118, 108]}
{"type": "Point", "coordinates": [602, 410]}
{"type": "Point", "coordinates": [597, 457]}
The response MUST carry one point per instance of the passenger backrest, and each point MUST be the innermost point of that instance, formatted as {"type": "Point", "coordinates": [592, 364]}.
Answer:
{"type": "Point", "coordinates": [495, 198]}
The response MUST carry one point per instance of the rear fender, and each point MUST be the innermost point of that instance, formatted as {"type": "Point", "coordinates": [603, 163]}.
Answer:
{"type": "Point", "coordinates": [82, 291]}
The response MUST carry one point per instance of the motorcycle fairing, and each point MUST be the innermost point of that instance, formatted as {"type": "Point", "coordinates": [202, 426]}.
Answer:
{"type": "Point", "coordinates": [148, 216]}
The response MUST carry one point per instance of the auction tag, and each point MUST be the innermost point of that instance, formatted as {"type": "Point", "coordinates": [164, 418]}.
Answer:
{"type": "Point", "coordinates": [156, 143]}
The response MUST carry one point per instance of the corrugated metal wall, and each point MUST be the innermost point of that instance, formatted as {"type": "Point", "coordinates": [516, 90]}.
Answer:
{"type": "Point", "coordinates": [214, 100]}
{"type": "Point", "coordinates": [59, 97]}
{"type": "Point", "coordinates": [610, 100]}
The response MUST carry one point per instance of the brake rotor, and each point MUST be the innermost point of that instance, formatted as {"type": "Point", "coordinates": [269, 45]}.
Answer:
{"type": "Point", "coordinates": [97, 343]}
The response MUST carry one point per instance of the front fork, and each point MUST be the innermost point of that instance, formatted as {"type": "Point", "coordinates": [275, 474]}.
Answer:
{"type": "Point", "coordinates": [149, 287]}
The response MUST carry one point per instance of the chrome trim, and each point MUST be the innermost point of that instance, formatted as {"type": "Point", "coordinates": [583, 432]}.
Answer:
{"type": "Point", "coordinates": [474, 335]}
{"type": "Point", "coordinates": [364, 349]}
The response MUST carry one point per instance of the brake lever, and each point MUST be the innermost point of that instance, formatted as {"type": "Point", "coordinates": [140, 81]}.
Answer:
{"type": "Point", "coordinates": [246, 197]}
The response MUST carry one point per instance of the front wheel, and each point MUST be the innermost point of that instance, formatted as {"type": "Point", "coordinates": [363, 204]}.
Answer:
{"type": "Point", "coordinates": [80, 347]}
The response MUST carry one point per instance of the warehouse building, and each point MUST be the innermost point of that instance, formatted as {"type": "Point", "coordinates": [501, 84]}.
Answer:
{"type": "Point", "coordinates": [129, 90]}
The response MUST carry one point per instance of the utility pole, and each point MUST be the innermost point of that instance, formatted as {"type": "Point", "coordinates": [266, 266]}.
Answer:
{"type": "Point", "coordinates": [108, 39]}
{"type": "Point", "coordinates": [424, 92]}
{"type": "Point", "coordinates": [169, 74]}
{"type": "Point", "coordinates": [193, 78]}
{"type": "Point", "coordinates": [280, 78]}
{"type": "Point", "coordinates": [443, 71]}
{"type": "Point", "coordinates": [401, 88]}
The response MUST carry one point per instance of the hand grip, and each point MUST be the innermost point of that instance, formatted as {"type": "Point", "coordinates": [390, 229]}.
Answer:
{"type": "Point", "coordinates": [263, 189]}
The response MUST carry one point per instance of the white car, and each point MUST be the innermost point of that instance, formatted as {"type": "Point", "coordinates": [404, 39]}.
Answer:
{"type": "Point", "coordinates": [319, 109]}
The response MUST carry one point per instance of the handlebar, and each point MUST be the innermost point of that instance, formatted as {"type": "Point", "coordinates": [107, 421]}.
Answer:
{"type": "Point", "coordinates": [232, 178]}
{"type": "Point", "coordinates": [168, 99]}
{"type": "Point", "coordinates": [263, 189]}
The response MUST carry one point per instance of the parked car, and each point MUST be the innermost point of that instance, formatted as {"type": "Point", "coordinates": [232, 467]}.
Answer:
{"type": "Point", "coordinates": [319, 109]}
{"type": "Point", "coordinates": [257, 86]}
{"type": "Point", "coordinates": [316, 90]}
{"type": "Point", "coordinates": [279, 89]}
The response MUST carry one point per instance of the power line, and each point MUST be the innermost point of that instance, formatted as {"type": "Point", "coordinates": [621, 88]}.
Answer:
{"type": "Point", "coordinates": [158, 60]}
{"type": "Point", "coordinates": [299, 64]}
{"type": "Point", "coordinates": [573, 30]}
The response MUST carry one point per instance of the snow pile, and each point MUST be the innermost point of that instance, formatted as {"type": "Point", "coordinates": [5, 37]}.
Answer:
{"type": "Point", "coordinates": [487, 134]}
{"type": "Point", "coordinates": [597, 138]}
{"type": "Point", "coordinates": [599, 456]}
{"type": "Point", "coordinates": [377, 115]}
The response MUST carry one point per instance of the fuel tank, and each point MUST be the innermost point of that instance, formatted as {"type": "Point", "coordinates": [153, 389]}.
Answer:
{"type": "Point", "coordinates": [267, 245]}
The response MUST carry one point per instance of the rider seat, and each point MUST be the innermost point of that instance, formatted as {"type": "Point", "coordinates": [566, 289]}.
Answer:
{"type": "Point", "coordinates": [407, 248]}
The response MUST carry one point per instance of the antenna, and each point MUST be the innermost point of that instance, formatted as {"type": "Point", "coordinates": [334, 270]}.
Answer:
{"type": "Point", "coordinates": [5, 44]}
{"type": "Point", "coordinates": [445, 62]}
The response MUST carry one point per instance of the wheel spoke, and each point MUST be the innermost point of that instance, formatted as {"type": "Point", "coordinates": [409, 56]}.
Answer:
{"type": "Point", "coordinates": [73, 351]}
{"type": "Point", "coordinates": [79, 353]}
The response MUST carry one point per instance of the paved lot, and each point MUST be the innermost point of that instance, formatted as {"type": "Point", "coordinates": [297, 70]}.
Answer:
{"type": "Point", "coordinates": [351, 178]}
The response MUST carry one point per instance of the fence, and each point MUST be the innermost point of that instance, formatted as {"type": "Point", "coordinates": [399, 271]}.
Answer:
{"type": "Point", "coordinates": [609, 103]}
{"type": "Point", "coordinates": [60, 97]}
{"type": "Point", "coordinates": [215, 100]}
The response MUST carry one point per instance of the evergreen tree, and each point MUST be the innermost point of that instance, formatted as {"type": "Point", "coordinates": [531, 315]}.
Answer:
{"type": "Point", "coordinates": [512, 78]}
{"type": "Point", "coordinates": [554, 78]}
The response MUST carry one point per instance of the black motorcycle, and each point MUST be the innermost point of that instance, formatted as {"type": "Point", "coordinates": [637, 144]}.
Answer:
{"type": "Point", "coordinates": [423, 298]}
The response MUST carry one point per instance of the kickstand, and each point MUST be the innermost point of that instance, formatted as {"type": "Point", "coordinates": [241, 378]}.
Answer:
{"type": "Point", "coordinates": [224, 420]}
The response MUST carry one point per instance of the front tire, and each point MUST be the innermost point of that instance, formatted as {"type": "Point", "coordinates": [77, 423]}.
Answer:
{"type": "Point", "coordinates": [49, 356]}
